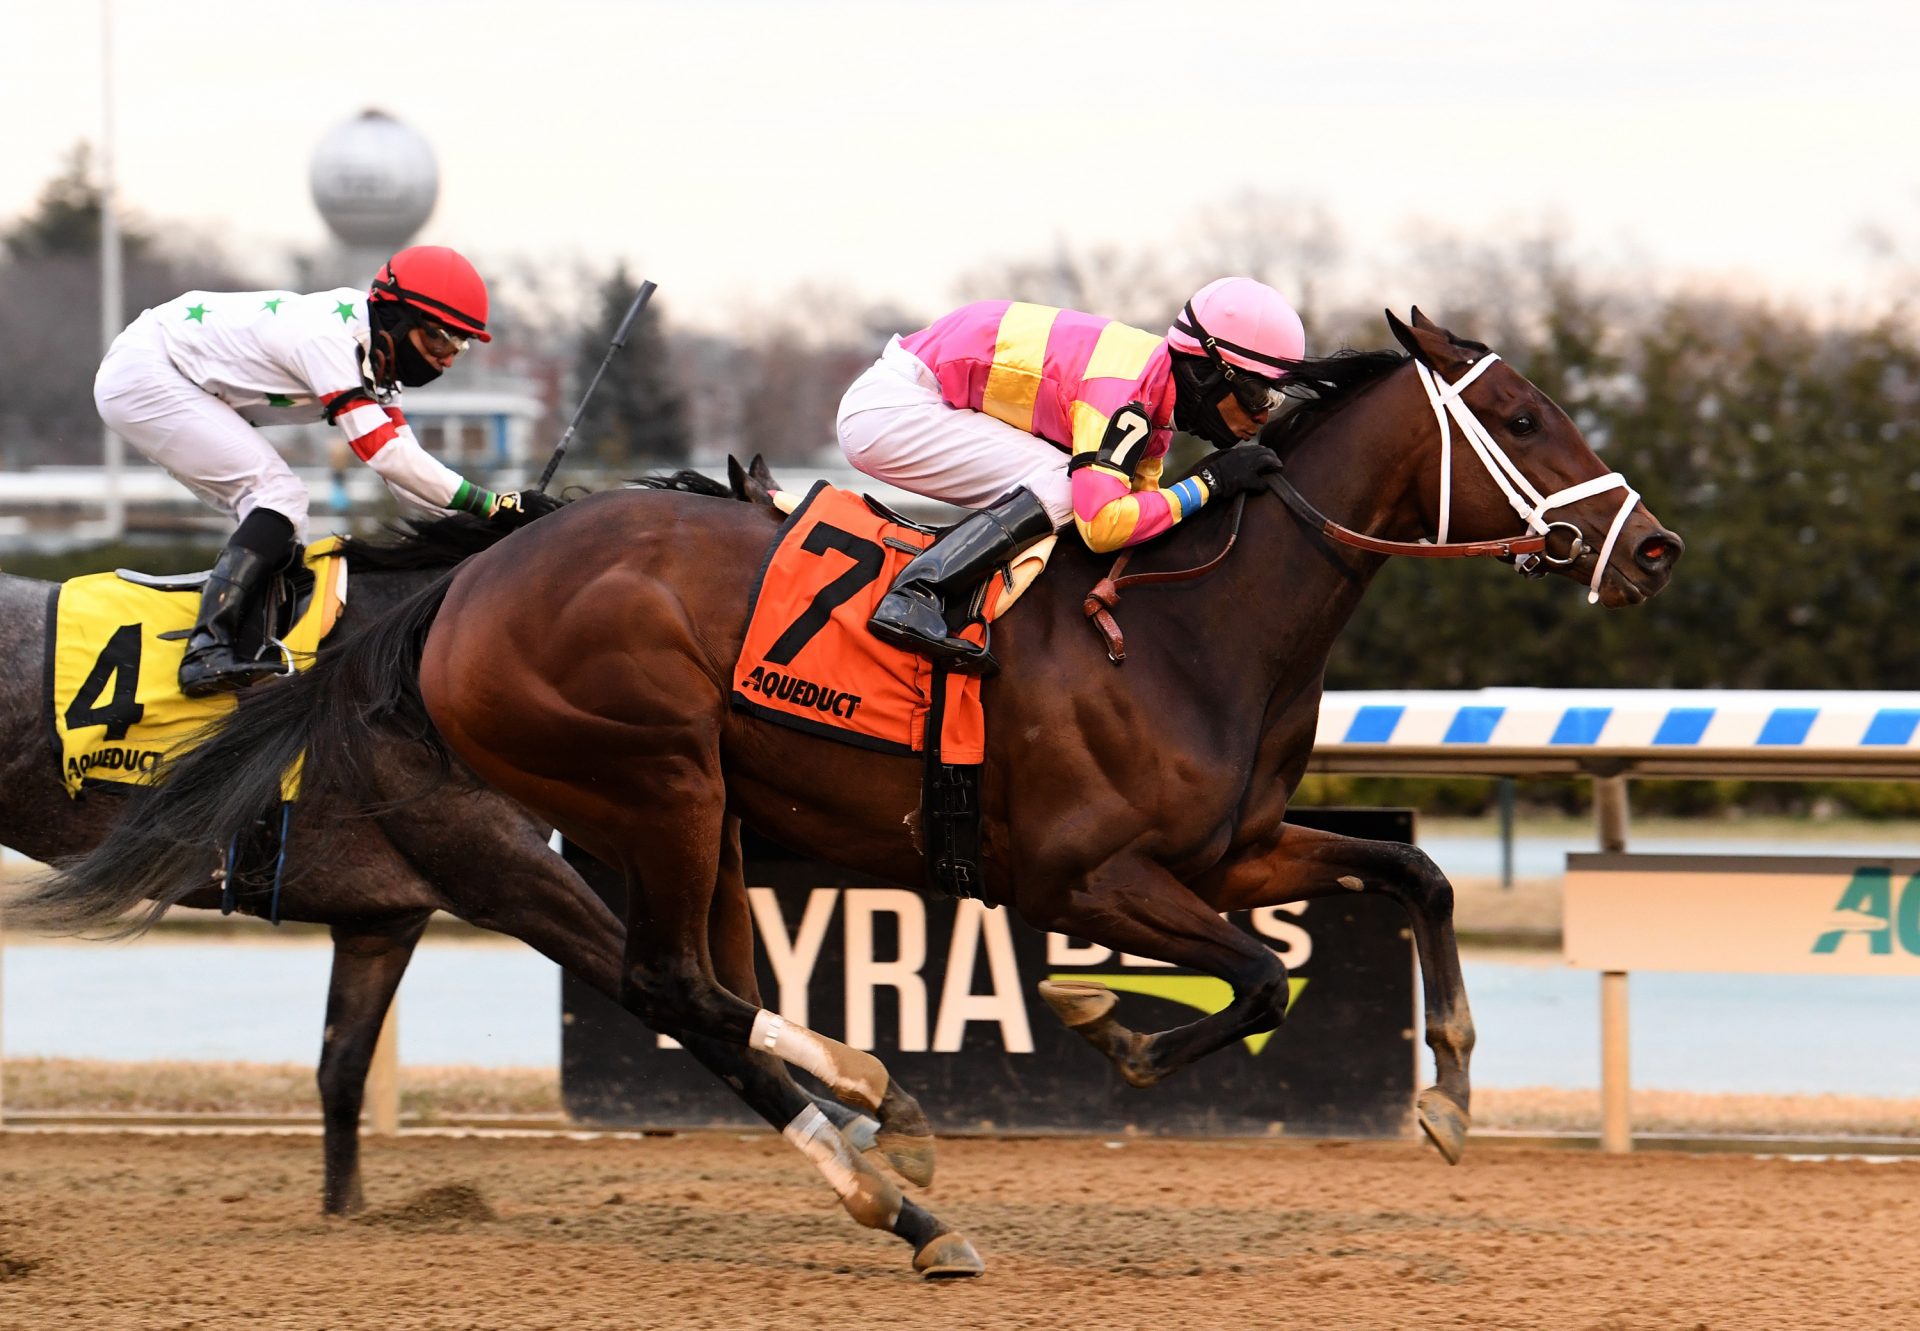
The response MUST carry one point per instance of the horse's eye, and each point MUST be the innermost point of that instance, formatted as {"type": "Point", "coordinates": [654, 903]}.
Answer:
{"type": "Point", "coordinates": [1523, 424]}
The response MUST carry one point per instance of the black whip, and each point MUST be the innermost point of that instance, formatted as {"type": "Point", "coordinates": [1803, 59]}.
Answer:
{"type": "Point", "coordinates": [619, 340]}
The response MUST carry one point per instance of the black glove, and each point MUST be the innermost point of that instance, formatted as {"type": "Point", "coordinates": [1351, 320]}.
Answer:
{"type": "Point", "coordinates": [524, 506]}
{"type": "Point", "coordinates": [1238, 470]}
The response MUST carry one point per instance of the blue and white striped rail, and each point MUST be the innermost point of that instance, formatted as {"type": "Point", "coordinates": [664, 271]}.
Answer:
{"type": "Point", "coordinates": [1631, 732]}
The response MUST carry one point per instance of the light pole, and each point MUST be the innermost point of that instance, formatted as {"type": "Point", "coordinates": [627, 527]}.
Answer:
{"type": "Point", "coordinates": [115, 517]}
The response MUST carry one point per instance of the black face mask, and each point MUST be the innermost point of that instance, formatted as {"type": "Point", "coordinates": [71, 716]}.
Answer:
{"type": "Point", "coordinates": [395, 359]}
{"type": "Point", "coordinates": [1197, 391]}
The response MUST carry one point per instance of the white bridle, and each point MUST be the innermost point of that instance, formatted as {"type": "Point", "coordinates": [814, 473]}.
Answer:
{"type": "Point", "coordinates": [1446, 401]}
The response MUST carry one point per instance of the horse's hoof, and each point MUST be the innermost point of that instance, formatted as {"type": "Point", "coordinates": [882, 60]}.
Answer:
{"type": "Point", "coordinates": [1078, 1002]}
{"type": "Point", "coordinates": [948, 1256]}
{"type": "Point", "coordinates": [905, 1137]}
{"type": "Point", "coordinates": [909, 1156]}
{"type": "Point", "coordinates": [1444, 1122]}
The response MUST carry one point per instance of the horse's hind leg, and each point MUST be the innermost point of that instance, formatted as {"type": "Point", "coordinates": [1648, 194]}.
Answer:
{"type": "Point", "coordinates": [906, 1139]}
{"type": "Point", "coordinates": [669, 844]}
{"type": "Point", "coordinates": [368, 961]}
{"type": "Point", "coordinates": [1137, 907]}
{"type": "Point", "coordinates": [674, 862]}
{"type": "Point", "coordinates": [1306, 863]}
{"type": "Point", "coordinates": [867, 1194]}
{"type": "Point", "coordinates": [809, 1125]}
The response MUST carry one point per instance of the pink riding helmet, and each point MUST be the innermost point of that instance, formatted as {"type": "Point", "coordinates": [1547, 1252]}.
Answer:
{"type": "Point", "coordinates": [1249, 323]}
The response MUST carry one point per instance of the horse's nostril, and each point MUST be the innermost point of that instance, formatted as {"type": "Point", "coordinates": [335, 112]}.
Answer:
{"type": "Point", "coordinates": [1658, 551]}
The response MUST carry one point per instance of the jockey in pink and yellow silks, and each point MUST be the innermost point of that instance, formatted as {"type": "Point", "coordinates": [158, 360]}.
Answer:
{"type": "Point", "coordinates": [1072, 414]}
{"type": "Point", "coordinates": [1061, 375]}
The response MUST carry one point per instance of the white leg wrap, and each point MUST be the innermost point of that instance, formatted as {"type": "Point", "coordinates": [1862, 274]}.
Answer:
{"type": "Point", "coordinates": [814, 1137]}
{"type": "Point", "coordinates": [810, 1053]}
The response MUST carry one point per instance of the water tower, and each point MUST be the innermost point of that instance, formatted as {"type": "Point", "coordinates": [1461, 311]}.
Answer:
{"type": "Point", "coordinates": [375, 182]}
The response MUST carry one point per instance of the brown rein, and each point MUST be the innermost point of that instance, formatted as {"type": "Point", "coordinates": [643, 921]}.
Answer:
{"type": "Point", "coordinates": [1106, 593]}
{"type": "Point", "coordinates": [1326, 526]}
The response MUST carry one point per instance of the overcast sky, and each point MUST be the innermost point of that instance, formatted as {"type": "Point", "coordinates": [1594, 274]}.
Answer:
{"type": "Point", "coordinates": [732, 150]}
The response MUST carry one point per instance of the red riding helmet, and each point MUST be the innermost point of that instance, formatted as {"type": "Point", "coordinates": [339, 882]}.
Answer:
{"type": "Point", "coordinates": [440, 284]}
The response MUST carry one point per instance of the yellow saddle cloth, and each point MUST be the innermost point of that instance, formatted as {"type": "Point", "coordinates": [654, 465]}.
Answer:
{"type": "Point", "coordinates": [112, 678]}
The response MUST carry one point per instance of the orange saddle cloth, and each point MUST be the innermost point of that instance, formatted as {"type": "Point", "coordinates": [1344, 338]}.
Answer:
{"type": "Point", "coordinates": [809, 661]}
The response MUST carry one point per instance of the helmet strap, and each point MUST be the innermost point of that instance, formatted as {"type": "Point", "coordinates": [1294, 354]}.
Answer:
{"type": "Point", "coordinates": [1198, 388]}
{"type": "Point", "coordinates": [1190, 325]}
{"type": "Point", "coordinates": [393, 358]}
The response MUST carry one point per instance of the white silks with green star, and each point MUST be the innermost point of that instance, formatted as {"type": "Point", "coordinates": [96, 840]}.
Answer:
{"type": "Point", "coordinates": [278, 358]}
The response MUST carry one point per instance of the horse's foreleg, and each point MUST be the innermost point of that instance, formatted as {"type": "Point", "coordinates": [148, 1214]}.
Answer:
{"type": "Point", "coordinates": [368, 961]}
{"type": "Point", "coordinates": [1138, 907]}
{"type": "Point", "coordinates": [1306, 863]}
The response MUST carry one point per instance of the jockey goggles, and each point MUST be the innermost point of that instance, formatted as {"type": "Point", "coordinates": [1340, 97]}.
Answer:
{"type": "Point", "coordinates": [441, 340]}
{"type": "Point", "coordinates": [1255, 393]}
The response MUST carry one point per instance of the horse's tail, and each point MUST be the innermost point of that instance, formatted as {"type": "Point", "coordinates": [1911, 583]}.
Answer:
{"type": "Point", "coordinates": [171, 837]}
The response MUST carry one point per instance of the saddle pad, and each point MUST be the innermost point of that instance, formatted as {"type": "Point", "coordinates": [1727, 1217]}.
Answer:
{"type": "Point", "coordinates": [112, 681]}
{"type": "Point", "coordinates": [809, 661]}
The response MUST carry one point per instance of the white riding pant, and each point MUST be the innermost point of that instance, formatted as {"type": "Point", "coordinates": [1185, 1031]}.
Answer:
{"type": "Point", "coordinates": [201, 441]}
{"type": "Point", "coordinates": [895, 427]}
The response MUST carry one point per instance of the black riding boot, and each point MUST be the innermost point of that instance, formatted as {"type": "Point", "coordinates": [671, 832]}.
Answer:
{"type": "Point", "coordinates": [235, 588]}
{"type": "Point", "coordinates": [913, 614]}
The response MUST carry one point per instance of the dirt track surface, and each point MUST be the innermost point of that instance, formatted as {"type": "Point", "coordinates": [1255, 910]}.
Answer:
{"type": "Point", "coordinates": [161, 1232]}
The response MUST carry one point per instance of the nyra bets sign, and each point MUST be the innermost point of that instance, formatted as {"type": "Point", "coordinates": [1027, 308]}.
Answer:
{"type": "Point", "coordinates": [943, 991]}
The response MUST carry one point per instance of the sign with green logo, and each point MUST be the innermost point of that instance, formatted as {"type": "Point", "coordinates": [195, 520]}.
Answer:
{"type": "Point", "coordinates": [1767, 914]}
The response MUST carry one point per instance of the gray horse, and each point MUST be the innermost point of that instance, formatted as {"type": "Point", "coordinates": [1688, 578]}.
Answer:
{"type": "Point", "coordinates": [374, 881]}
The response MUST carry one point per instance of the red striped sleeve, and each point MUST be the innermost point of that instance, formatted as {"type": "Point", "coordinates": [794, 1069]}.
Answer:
{"type": "Point", "coordinates": [366, 445]}
{"type": "Point", "coordinates": [344, 401]}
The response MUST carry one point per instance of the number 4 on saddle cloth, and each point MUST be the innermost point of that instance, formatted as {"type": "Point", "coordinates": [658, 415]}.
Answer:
{"type": "Point", "coordinates": [112, 677]}
{"type": "Point", "coordinates": [113, 660]}
{"type": "Point", "coordinates": [810, 663]}
{"type": "Point", "coordinates": [113, 664]}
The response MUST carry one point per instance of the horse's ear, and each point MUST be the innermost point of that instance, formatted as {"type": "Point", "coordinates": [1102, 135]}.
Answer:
{"type": "Point", "coordinates": [758, 484]}
{"type": "Point", "coordinates": [737, 478]}
{"type": "Point", "coordinates": [1428, 343]}
{"type": "Point", "coordinates": [1406, 338]}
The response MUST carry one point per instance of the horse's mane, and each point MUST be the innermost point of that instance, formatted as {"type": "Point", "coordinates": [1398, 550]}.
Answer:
{"type": "Point", "coordinates": [686, 481]}
{"type": "Point", "coordinates": [440, 543]}
{"type": "Point", "coordinates": [1321, 386]}
{"type": "Point", "coordinates": [430, 543]}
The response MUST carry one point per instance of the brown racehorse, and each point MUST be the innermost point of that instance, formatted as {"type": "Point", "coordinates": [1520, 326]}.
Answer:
{"type": "Point", "coordinates": [584, 667]}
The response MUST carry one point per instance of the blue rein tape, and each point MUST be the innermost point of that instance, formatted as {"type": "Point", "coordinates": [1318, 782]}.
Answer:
{"type": "Point", "coordinates": [280, 864]}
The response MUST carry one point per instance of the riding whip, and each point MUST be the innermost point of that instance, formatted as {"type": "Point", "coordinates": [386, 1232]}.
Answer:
{"type": "Point", "coordinates": [619, 340]}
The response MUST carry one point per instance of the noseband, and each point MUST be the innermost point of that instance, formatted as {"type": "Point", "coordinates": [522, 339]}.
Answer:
{"type": "Point", "coordinates": [1449, 408]}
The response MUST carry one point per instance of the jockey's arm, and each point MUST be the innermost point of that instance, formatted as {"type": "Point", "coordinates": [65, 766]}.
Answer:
{"type": "Point", "coordinates": [1117, 499]}
{"type": "Point", "coordinates": [381, 438]}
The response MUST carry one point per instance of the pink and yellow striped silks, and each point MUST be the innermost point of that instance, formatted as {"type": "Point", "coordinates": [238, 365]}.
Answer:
{"type": "Point", "coordinates": [1061, 375]}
